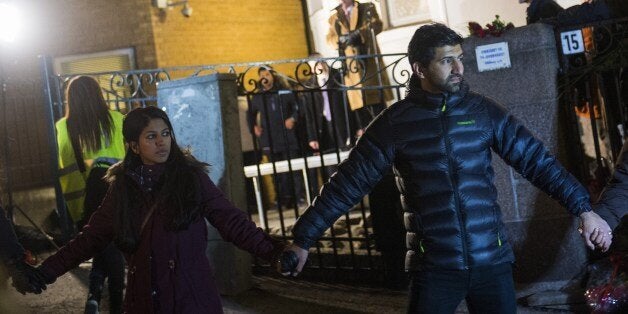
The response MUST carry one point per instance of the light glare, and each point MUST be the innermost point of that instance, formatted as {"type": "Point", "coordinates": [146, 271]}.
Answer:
{"type": "Point", "coordinates": [10, 22]}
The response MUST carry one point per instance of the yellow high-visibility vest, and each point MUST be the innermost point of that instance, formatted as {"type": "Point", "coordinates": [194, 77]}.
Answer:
{"type": "Point", "coordinates": [71, 179]}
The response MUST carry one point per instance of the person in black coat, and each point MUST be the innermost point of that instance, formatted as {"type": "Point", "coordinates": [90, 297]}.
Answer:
{"type": "Point", "coordinates": [541, 9]}
{"type": "Point", "coordinates": [330, 124]}
{"type": "Point", "coordinates": [272, 117]}
{"type": "Point", "coordinates": [328, 119]}
{"type": "Point", "coordinates": [613, 202]}
{"type": "Point", "coordinates": [25, 277]}
{"type": "Point", "coordinates": [548, 11]}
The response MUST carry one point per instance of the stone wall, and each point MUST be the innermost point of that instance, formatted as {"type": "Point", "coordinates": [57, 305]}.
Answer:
{"type": "Point", "coordinates": [204, 115]}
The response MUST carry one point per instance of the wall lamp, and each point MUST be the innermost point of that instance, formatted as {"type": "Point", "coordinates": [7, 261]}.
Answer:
{"type": "Point", "coordinates": [165, 4]}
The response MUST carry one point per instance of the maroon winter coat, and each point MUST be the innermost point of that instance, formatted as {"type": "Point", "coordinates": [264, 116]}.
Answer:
{"type": "Point", "coordinates": [169, 272]}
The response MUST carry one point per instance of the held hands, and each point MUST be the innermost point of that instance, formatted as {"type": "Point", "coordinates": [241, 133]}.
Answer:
{"type": "Point", "coordinates": [26, 278]}
{"type": "Point", "coordinates": [595, 231]}
{"type": "Point", "coordinates": [292, 260]}
{"type": "Point", "coordinates": [257, 130]}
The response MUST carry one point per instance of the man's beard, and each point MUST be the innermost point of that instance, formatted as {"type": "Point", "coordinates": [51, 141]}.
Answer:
{"type": "Point", "coordinates": [452, 87]}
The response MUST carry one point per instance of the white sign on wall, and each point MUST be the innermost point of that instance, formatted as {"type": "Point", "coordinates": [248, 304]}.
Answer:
{"type": "Point", "coordinates": [493, 56]}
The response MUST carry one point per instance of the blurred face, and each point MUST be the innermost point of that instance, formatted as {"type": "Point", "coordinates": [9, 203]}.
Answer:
{"type": "Point", "coordinates": [153, 145]}
{"type": "Point", "coordinates": [444, 73]}
{"type": "Point", "coordinates": [321, 68]}
{"type": "Point", "coordinates": [267, 79]}
{"type": "Point", "coordinates": [347, 3]}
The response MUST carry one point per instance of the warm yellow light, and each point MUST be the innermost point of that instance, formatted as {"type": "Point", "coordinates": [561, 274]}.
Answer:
{"type": "Point", "coordinates": [10, 22]}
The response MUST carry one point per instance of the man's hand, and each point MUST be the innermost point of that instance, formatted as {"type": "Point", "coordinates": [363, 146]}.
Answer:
{"type": "Point", "coordinates": [595, 231]}
{"type": "Point", "coordinates": [359, 133]}
{"type": "Point", "coordinates": [313, 145]}
{"type": "Point", "coordinates": [290, 123]}
{"type": "Point", "coordinates": [257, 130]}
{"type": "Point", "coordinates": [353, 38]}
{"type": "Point", "coordinates": [301, 256]}
{"type": "Point", "coordinates": [343, 39]}
{"type": "Point", "coordinates": [26, 278]}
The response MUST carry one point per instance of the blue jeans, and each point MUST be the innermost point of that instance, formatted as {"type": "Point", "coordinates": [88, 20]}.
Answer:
{"type": "Point", "coordinates": [487, 289]}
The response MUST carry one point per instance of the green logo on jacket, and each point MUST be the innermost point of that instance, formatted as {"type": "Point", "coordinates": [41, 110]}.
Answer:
{"type": "Point", "coordinates": [468, 122]}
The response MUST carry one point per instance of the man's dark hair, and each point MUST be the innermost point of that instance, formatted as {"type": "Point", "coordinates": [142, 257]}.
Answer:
{"type": "Point", "coordinates": [427, 38]}
{"type": "Point", "coordinates": [265, 68]}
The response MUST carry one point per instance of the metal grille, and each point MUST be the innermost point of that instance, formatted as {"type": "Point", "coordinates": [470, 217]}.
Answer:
{"type": "Point", "coordinates": [594, 91]}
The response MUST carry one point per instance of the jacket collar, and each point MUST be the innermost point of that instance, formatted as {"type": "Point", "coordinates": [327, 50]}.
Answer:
{"type": "Point", "coordinates": [147, 176]}
{"type": "Point", "coordinates": [433, 101]}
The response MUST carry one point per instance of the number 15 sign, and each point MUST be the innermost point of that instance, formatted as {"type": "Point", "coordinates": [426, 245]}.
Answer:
{"type": "Point", "coordinates": [572, 42]}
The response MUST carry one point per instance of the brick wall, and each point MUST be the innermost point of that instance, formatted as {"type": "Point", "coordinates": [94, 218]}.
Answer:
{"type": "Point", "coordinates": [229, 31]}
{"type": "Point", "coordinates": [87, 26]}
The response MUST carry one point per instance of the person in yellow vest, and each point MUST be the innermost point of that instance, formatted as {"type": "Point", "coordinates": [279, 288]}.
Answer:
{"type": "Point", "coordinates": [89, 139]}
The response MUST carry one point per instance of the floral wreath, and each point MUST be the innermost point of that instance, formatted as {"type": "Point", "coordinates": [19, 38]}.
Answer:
{"type": "Point", "coordinates": [495, 28]}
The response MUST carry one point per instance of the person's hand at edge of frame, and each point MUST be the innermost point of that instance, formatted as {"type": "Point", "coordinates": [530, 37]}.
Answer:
{"type": "Point", "coordinates": [595, 231]}
{"type": "Point", "coordinates": [26, 278]}
{"type": "Point", "coordinates": [292, 260]}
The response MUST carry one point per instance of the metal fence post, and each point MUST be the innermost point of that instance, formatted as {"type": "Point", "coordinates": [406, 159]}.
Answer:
{"type": "Point", "coordinates": [51, 93]}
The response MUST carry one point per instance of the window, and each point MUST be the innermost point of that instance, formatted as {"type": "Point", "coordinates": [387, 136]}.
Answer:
{"type": "Point", "coordinates": [115, 90]}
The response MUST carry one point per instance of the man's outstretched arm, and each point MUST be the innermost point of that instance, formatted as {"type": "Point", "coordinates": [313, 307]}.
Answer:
{"type": "Point", "coordinates": [367, 163]}
{"type": "Point", "coordinates": [516, 145]}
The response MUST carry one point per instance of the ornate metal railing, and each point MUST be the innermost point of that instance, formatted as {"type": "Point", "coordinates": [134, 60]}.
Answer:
{"type": "Point", "coordinates": [139, 87]}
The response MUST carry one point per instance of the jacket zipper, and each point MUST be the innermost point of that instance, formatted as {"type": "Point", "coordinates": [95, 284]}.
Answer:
{"type": "Point", "coordinates": [463, 236]}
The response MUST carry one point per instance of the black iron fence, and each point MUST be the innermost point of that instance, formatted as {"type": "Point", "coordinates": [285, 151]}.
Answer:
{"type": "Point", "coordinates": [594, 90]}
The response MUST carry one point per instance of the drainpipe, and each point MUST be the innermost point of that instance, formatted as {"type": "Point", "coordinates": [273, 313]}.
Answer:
{"type": "Point", "coordinates": [308, 31]}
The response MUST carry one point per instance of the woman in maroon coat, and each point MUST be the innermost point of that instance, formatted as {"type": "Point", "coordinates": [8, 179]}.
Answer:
{"type": "Point", "coordinates": [154, 213]}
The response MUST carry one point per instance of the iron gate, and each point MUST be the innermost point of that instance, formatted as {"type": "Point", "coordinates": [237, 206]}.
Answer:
{"type": "Point", "coordinates": [594, 91]}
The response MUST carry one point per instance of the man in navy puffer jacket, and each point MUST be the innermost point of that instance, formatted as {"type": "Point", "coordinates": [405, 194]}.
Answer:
{"type": "Point", "coordinates": [438, 141]}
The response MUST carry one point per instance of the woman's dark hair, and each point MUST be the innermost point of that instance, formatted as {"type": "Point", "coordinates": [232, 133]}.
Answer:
{"type": "Point", "coordinates": [178, 187]}
{"type": "Point", "coordinates": [423, 44]}
{"type": "Point", "coordinates": [87, 115]}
